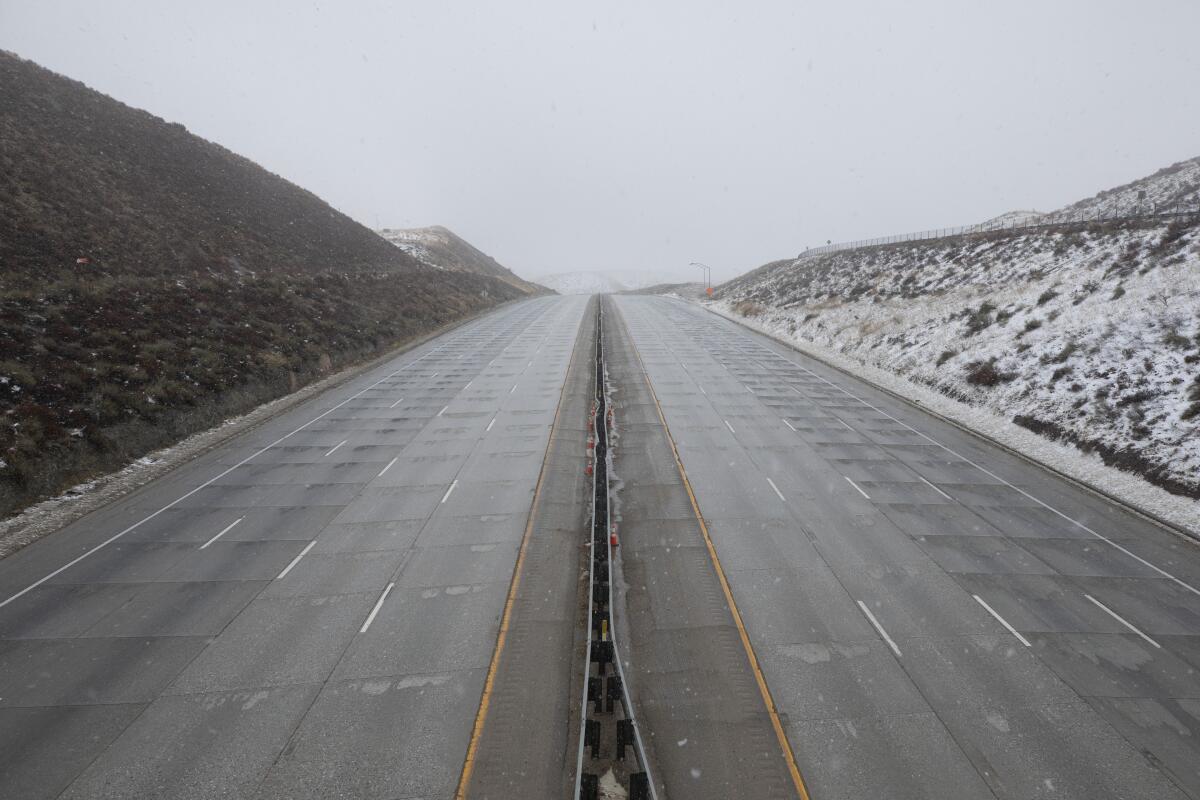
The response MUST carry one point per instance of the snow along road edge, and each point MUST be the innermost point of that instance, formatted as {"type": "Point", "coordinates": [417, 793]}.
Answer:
{"type": "Point", "coordinates": [1180, 515]}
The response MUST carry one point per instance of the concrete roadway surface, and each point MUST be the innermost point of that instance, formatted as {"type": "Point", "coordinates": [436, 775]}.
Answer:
{"type": "Point", "coordinates": [311, 609]}
{"type": "Point", "coordinates": [307, 611]}
{"type": "Point", "coordinates": [935, 617]}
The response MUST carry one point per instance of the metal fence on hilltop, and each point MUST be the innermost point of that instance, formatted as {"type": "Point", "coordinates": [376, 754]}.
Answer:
{"type": "Point", "coordinates": [1018, 225]}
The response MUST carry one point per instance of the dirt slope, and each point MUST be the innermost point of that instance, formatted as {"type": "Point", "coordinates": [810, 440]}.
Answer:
{"type": "Point", "coordinates": [153, 283]}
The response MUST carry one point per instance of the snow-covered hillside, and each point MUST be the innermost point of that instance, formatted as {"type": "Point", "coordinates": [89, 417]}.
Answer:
{"type": "Point", "coordinates": [1173, 185]}
{"type": "Point", "coordinates": [1091, 335]}
{"type": "Point", "coordinates": [582, 283]}
{"type": "Point", "coordinates": [1013, 219]}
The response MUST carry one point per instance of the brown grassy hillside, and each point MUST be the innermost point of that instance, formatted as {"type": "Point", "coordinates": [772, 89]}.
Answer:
{"type": "Point", "coordinates": [211, 284]}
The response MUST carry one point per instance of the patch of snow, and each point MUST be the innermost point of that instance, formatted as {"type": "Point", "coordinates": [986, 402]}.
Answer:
{"type": "Point", "coordinates": [415, 242]}
{"type": "Point", "coordinates": [610, 788]}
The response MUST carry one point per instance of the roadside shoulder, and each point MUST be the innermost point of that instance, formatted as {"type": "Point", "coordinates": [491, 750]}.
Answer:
{"type": "Point", "coordinates": [55, 513]}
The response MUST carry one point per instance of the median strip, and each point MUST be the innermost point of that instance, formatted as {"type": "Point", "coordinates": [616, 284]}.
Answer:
{"type": "Point", "coordinates": [610, 742]}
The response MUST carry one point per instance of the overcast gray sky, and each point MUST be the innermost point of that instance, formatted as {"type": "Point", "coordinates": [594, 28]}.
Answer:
{"type": "Point", "coordinates": [621, 136]}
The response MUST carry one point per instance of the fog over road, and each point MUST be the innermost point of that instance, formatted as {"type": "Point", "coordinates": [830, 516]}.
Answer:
{"type": "Point", "coordinates": [315, 608]}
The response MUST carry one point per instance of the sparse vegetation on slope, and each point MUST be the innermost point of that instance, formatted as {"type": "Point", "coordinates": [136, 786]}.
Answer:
{"type": "Point", "coordinates": [153, 283]}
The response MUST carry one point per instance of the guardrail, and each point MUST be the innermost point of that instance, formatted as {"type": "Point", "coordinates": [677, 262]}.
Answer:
{"type": "Point", "coordinates": [607, 724]}
{"type": "Point", "coordinates": [1053, 220]}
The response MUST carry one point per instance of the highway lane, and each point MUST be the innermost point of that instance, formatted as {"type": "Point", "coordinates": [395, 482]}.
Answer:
{"type": "Point", "coordinates": [934, 617]}
{"type": "Point", "coordinates": [305, 611]}
{"type": "Point", "coordinates": [526, 741]}
{"type": "Point", "coordinates": [707, 726]}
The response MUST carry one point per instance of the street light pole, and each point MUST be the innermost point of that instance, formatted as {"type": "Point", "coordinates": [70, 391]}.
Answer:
{"type": "Point", "coordinates": [707, 276]}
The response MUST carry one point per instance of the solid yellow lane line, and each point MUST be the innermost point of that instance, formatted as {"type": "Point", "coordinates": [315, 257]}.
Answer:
{"type": "Point", "coordinates": [485, 701]}
{"type": "Point", "coordinates": [788, 756]}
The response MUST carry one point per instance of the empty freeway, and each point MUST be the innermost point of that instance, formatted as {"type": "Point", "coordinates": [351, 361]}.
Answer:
{"type": "Point", "coordinates": [818, 591]}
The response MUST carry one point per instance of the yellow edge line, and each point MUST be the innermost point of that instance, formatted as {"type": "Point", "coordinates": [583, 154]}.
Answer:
{"type": "Point", "coordinates": [485, 700]}
{"type": "Point", "coordinates": [772, 711]}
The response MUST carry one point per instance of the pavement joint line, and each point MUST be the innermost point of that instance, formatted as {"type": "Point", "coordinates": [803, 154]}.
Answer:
{"type": "Point", "coordinates": [446, 496]}
{"type": "Point", "coordinates": [935, 488]}
{"type": "Point", "coordinates": [764, 690]}
{"type": "Point", "coordinates": [295, 560]}
{"type": "Point", "coordinates": [1001, 620]}
{"type": "Point", "coordinates": [1122, 620]}
{"type": "Point", "coordinates": [856, 486]}
{"type": "Point", "coordinates": [727, 425]}
{"type": "Point", "coordinates": [224, 531]}
{"type": "Point", "coordinates": [214, 479]}
{"type": "Point", "coordinates": [333, 449]}
{"type": "Point", "coordinates": [398, 402]}
{"type": "Point", "coordinates": [390, 464]}
{"type": "Point", "coordinates": [776, 488]}
{"type": "Point", "coordinates": [844, 425]}
{"type": "Point", "coordinates": [375, 610]}
{"type": "Point", "coordinates": [878, 627]}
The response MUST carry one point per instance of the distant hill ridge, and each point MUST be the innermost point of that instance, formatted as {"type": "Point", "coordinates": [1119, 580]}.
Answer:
{"type": "Point", "coordinates": [1174, 185]}
{"type": "Point", "coordinates": [441, 248]}
{"type": "Point", "coordinates": [1178, 183]}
